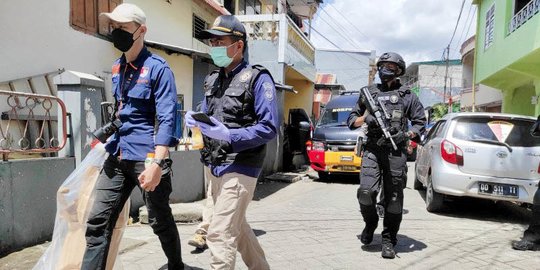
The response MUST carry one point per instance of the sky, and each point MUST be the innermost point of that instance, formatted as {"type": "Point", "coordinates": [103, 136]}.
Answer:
{"type": "Point", "coordinates": [419, 30]}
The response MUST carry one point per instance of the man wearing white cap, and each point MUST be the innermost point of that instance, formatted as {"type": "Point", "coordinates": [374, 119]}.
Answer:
{"type": "Point", "coordinates": [145, 94]}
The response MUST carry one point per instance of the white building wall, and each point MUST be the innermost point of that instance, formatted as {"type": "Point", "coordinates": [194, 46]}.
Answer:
{"type": "Point", "coordinates": [433, 75]}
{"type": "Point", "coordinates": [37, 38]}
{"type": "Point", "coordinates": [351, 68]}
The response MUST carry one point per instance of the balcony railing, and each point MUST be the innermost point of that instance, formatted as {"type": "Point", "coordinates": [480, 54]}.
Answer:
{"type": "Point", "coordinates": [524, 15]}
{"type": "Point", "coordinates": [282, 31]}
{"type": "Point", "coordinates": [26, 110]}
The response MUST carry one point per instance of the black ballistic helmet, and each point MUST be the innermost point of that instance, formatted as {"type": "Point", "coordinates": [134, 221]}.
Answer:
{"type": "Point", "coordinates": [393, 58]}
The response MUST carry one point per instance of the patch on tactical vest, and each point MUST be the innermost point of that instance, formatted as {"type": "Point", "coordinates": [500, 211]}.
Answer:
{"type": "Point", "coordinates": [268, 91]}
{"type": "Point", "coordinates": [246, 76]}
{"type": "Point", "coordinates": [394, 99]}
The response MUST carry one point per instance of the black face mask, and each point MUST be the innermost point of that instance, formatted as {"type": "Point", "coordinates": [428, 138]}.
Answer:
{"type": "Point", "coordinates": [386, 74]}
{"type": "Point", "coordinates": [123, 40]}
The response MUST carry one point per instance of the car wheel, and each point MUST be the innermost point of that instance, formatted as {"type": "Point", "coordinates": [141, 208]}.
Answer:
{"type": "Point", "coordinates": [434, 200]}
{"type": "Point", "coordinates": [323, 176]}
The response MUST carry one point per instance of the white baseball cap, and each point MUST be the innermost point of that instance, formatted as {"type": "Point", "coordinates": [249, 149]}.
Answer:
{"type": "Point", "coordinates": [124, 13]}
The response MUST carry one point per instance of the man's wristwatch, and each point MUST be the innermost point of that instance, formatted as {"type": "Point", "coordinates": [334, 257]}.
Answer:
{"type": "Point", "coordinates": [159, 162]}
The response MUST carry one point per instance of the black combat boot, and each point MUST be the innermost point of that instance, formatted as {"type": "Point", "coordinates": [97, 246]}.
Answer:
{"type": "Point", "coordinates": [388, 250]}
{"type": "Point", "coordinates": [523, 245]}
{"type": "Point", "coordinates": [367, 234]}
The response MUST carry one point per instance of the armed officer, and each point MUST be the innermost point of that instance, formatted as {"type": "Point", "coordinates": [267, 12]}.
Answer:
{"type": "Point", "coordinates": [382, 164]}
{"type": "Point", "coordinates": [241, 102]}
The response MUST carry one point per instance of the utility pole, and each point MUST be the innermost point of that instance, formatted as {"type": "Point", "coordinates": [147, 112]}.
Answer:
{"type": "Point", "coordinates": [446, 72]}
{"type": "Point", "coordinates": [450, 100]}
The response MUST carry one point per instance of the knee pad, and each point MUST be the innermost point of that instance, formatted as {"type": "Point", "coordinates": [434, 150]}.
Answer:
{"type": "Point", "coordinates": [365, 196]}
{"type": "Point", "coordinates": [394, 204]}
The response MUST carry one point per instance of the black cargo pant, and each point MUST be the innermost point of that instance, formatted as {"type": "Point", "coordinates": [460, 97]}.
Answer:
{"type": "Point", "coordinates": [382, 167]}
{"type": "Point", "coordinates": [533, 232]}
{"type": "Point", "coordinates": [115, 183]}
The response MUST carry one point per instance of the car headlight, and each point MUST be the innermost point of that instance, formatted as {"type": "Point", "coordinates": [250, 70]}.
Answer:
{"type": "Point", "coordinates": [318, 146]}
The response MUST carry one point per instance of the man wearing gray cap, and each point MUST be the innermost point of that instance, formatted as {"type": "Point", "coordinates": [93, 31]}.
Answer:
{"type": "Point", "coordinates": [241, 118]}
{"type": "Point", "coordinates": [145, 93]}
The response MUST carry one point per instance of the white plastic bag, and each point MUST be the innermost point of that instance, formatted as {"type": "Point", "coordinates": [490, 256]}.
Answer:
{"type": "Point", "coordinates": [74, 200]}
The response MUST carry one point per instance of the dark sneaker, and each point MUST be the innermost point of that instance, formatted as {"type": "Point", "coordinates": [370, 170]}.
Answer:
{"type": "Point", "coordinates": [388, 251]}
{"type": "Point", "coordinates": [523, 245]}
{"type": "Point", "coordinates": [367, 235]}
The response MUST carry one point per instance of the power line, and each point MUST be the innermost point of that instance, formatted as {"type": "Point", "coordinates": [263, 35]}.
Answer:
{"type": "Point", "coordinates": [338, 47]}
{"type": "Point", "coordinates": [350, 23]}
{"type": "Point", "coordinates": [465, 24]}
{"type": "Point", "coordinates": [472, 19]}
{"type": "Point", "coordinates": [448, 49]}
{"type": "Point", "coordinates": [457, 23]}
{"type": "Point", "coordinates": [341, 34]}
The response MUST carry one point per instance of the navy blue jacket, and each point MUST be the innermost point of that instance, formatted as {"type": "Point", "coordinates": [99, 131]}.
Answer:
{"type": "Point", "coordinates": [146, 92]}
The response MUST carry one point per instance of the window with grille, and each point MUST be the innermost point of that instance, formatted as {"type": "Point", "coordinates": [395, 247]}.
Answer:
{"type": "Point", "coordinates": [84, 15]}
{"type": "Point", "coordinates": [490, 27]}
{"type": "Point", "coordinates": [198, 25]}
{"type": "Point", "coordinates": [249, 7]}
{"type": "Point", "coordinates": [519, 5]}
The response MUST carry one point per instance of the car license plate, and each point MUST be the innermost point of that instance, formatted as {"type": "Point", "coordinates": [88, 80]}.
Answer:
{"type": "Point", "coordinates": [346, 158]}
{"type": "Point", "coordinates": [498, 189]}
{"type": "Point", "coordinates": [349, 168]}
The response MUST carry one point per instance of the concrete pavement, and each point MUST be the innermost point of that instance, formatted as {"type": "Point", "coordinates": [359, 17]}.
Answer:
{"type": "Point", "coordinates": [315, 225]}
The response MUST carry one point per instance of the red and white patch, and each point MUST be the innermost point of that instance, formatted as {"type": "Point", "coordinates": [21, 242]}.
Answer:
{"type": "Point", "coordinates": [116, 70]}
{"type": "Point", "coordinates": [144, 72]}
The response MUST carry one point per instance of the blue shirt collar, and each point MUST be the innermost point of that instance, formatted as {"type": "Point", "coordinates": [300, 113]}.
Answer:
{"type": "Point", "coordinates": [139, 60]}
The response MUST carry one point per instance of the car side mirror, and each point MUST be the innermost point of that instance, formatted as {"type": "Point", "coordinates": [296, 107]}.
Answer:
{"type": "Point", "coordinates": [304, 125]}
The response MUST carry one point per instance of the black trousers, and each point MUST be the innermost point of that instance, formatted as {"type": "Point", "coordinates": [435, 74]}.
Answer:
{"type": "Point", "coordinates": [533, 232]}
{"type": "Point", "coordinates": [383, 168]}
{"type": "Point", "coordinates": [114, 186]}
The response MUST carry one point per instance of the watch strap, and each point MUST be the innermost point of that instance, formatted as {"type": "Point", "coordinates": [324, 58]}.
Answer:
{"type": "Point", "coordinates": [159, 162]}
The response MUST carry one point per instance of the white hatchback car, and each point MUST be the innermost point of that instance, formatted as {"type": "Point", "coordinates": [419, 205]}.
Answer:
{"type": "Point", "coordinates": [483, 155]}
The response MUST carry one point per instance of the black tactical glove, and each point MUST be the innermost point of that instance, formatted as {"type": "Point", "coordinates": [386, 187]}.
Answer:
{"type": "Point", "coordinates": [370, 120]}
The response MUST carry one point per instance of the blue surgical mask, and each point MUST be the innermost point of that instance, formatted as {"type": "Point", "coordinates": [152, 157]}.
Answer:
{"type": "Point", "coordinates": [220, 57]}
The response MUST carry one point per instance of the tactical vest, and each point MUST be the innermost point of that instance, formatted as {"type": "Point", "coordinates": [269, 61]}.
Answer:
{"type": "Point", "coordinates": [394, 101]}
{"type": "Point", "coordinates": [234, 107]}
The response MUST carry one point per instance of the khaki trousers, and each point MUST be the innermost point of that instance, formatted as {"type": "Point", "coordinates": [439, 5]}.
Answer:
{"type": "Point", "coordinates": [229, 231]}
{"type": "Point", "coordinates": [207, 213]}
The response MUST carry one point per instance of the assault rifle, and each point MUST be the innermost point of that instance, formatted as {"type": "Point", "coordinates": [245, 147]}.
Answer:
{"type": "Point", "coordinates": [378, 110]}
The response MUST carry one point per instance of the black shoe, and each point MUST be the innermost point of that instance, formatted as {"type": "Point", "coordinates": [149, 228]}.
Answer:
{"type": "Point", "coordinates": [523, 245]}
{"type": "Point", "coordinates": [388, 251]}
{"type": "Point", "coordinates": [367, 235]}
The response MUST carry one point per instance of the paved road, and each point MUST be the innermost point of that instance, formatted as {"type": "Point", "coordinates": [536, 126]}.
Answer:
{"type": "Point", "coordinates": [315, 225]}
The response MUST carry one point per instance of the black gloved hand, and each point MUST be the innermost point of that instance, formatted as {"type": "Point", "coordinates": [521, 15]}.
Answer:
{"type": "Point", "coordinates": [370, 120]}
{"type": "Point", "coordinates": [399, 137]}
